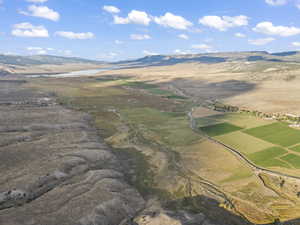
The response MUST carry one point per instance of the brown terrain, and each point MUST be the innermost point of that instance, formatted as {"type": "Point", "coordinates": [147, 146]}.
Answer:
{"type": "Point", "coordinates": [111, 149]}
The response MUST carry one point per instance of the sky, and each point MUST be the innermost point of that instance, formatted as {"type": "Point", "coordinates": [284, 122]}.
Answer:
{"type": "Point", "coordinates": [114, 30]}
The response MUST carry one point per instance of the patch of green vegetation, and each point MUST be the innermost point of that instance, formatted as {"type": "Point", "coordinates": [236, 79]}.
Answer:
{"type": "Point", "coordinates": [140, 85]}
{"type": "Point", "coordinates": [293, 159]}
{"type": "Point", "coordinates": [267, 157]}
{"type": "Point", "coordinates": [171, 128]}
{"type": "Point", "coordinates": [153, 89]}
{"type": "Point", "coordinates": [111, 78]}
{"type": "Point", "coordinates": [276, 133]}
{"type": "Point", "coordinates": [296, 148]}
{"type": "Point", "coordinates": [243, 142]}
{"type": "Point", "coordinates": [220, 129]}
{"type": "Point", "coordinates": [176, 97]}
{"type": "Point", "coordinates": [207, 121]}
{"type": "Point", "coordinates": [144, 176]}
{"type": "Point", "coordinates": [157, 91]}
{"type": "Point", "coordinates": [238, 175]}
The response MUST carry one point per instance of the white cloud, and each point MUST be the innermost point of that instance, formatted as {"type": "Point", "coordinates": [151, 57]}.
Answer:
{"type": "Point", "coordinates": [225, 22]}
{"type": "Point", "coordinates": [269, 29]}
{"type": "Point", "coordinates": [276, 2]}
{"type": "Point", "coordinates": [37, 1]}
{"type": "Point", "coordinates": [135, 17]}
{"type": "Point", "coordinates": [139, 37]}
{"type": "Point", "coordinates": [111, 9]}
{"type": "Point", "coordinates": [29, 30]}
{"type": "Point", "coordinates": [146, 52]}
{"type": "Point", "coordinates": [41, 11]}
{"type": "Point", "coordinates": [296, 44]}
{"type": "Point", "coordinates": [240, 35]}
{"type": "Point", "coordinates": [173, 21]}
{"type": "Point", "coordinates": [180, 52]}
{"type": "Point", "coordinates": [202, 47]}
{"type": "Point", "coordinates": [261, 41]}
{"type": "Point", "coordinates": [39, 50]}
{"type": "Point", "coordinates": [107, 56]}
{"type": "Point", "coordinates": [118, 42]}
{"type": "Point", "coordinates": [183, 36]}
{"type": "Point", "coordinates": [72, 35]}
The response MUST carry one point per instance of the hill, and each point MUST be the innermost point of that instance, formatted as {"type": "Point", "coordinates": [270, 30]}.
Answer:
{"type": "Point", "coordinates": [211, 58]}
{"type": "Point", "coordinates": [42, 59]}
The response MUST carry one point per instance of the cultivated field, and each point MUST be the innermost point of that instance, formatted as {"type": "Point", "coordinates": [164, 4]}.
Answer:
{"type": "Point", "coordinates": [266, 143]}
{"type": "Point", "coordinates": [246, 144]}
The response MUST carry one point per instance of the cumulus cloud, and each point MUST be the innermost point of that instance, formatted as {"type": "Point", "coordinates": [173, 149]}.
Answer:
{"type": "Point", "coordinates": [261, 41]}
{"type": "Point", "coordinates": [41, 11]}
{"type": "Point", "coordinates": [269, 29]}
{"type": "Point", "coordinates": [173, 21]}
{"type": "Point", "coordinates": [240, 35]}
{"type": "Point", "coordinates": [139, 37]}
{"type": "Point", "coordinates": [276, 2]}
{"type": "Point", "coordinates": [180, 52]}
{"type": "Point", "coordinates": [183, 36]}
{"type": "Point", "coordinates": [37, 1]}
{"type": "Point", "coordinates": [225, 22]}
{"type": "Point", "coordinates": [118, 42]}
{"type": "Point", "coordinates": [39, 50]}
{"type": "Point", "coordinates": [146, 52]}
{"type": "Point", "coordinates": [135, 17]}
{"type": "Point", "coordinates": [29, 30]}
{"type": "Point", "coordinates": [111, 9]}
{"type": "Point", "coordinates": [296, 44]}
{"type": "Point", "coordinates": [107, 56]}
{"type": "Point", "coordinates": [73, 35]}
{"type": "Point", "coordinates": [202, 47]}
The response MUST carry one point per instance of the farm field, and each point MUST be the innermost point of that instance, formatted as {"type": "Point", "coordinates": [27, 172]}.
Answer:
{"type": "Point", "coordinates": [220, 129]}
{"type": "Point", "coordinates": [246, 144]}
{"type": "Point", "coordinates": [293, 159]}
{"type": "Point", "coordinates": [241, 120]}
{"type": "Point", "coordinates": [276, 133]}
{"type": "Point", "coordinates": [268, 157]}
{"type": "Point", "coordinates": [267, 144]}
{"type": "Point", "coordinates": [295, 148]}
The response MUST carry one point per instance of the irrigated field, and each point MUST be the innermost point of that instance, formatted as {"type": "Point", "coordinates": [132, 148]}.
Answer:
{"type": "Point", "coordinates": [267, 157]}
{"type": "Point", "coordinates": [147, 126]}
{"type": "Point", "coordinates": [220, 129]}
{"type": "Point", "coordinates": [277, 133]}
{"type": "Point", "coordinates": [246, 144]}
{"type": "Point", "coordinates": [264, 142]}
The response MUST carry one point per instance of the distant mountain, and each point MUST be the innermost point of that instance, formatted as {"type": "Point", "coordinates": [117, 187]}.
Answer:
{"type": "Point", "coordinates": [42, 60]}
{"type": "Point", "coordinates": [211, 58]}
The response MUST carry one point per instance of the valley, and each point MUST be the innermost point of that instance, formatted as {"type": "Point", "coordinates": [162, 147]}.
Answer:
{"type": "Point", "coordinates": [143, 143]}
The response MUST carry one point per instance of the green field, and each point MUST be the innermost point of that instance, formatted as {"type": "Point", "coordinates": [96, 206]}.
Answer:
{"type": "Point", "coordinates": [243, 142]}
{"type": "Point", "coordinates": [171, 128]}
{"type": "Point", "coordinates": [294, 160]}
{"type": "Point", "coordinates": [241, 120]}
{"type": "Point", "coordinates": [296, 148]}
{"type": "Point", "coordinates": [276, 133]}
{"type": "Point", "coordinates": [267, 157]}
{"type": "Point", "coordinates": [220, 129]}
{"type": "Point", "coordinates": [153, 89]}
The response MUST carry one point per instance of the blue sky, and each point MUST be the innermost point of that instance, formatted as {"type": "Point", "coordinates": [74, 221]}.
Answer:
{"type": "Point", "coordinates": [119, 29]}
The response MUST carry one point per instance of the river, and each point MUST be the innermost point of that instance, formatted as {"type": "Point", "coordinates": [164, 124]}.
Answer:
{"type": "Point", "coordinates": [79, 73]}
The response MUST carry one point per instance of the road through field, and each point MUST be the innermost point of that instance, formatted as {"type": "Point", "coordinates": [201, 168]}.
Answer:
{"type": "Point", "coordinates": [254, 167]}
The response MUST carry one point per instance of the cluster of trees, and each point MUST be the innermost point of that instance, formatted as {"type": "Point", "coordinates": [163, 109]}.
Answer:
{"type": "Point", "coordinates": [229, 108]}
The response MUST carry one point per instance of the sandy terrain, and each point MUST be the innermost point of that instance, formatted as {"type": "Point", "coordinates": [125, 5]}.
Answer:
{"type": "Point", "coordinates": [243, 84]}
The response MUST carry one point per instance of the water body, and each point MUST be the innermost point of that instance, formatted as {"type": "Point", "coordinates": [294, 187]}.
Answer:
{"type": "Point", "coordinates": [76, 73]}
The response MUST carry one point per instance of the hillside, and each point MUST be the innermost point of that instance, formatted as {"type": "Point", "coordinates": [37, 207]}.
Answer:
{"type": "Point", "coordinates": [42, 59]}
{"type": "Point", "coordinates": [211, 58]}
{"type": "Point", "coordinates": [41, 64]}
